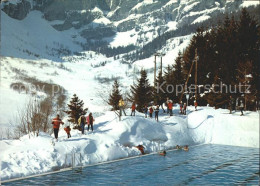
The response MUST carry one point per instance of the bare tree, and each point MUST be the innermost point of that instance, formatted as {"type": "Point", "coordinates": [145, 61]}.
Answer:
{"type": "Point", "coordinates": [104, 94]}
{"type": "Point", "coordinates": [34, 117]}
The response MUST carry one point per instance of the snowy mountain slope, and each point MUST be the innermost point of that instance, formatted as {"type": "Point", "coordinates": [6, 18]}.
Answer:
{"type": "Point", "coordinates": [85, 74]}
{"type": "Point", "coordinates": [94, 25]}
{"type": "Point", "coordinates": [30, 36]}
{"type": "Point", "coordinates": [33, 37]}
{"type": "Point", "coordinates": [113, 140]}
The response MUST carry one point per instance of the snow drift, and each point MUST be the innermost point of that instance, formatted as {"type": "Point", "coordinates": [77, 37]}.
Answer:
{"type": "Point", "coordinates": [113, 139]}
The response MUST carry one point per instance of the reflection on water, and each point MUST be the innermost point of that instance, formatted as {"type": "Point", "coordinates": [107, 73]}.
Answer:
{"type": "Point", "coordinates": [201, 165]}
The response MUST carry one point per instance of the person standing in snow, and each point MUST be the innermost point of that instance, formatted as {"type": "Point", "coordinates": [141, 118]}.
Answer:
{"type": "Point", "coordinates": [82, 123]}
{"type": "Point", "coordinates": [256, 104]}
{"type": "Point", "coordinates": [241, 107]}
{"type": "Point", "coordinates": [184, 108]}
{"type": "Point", "coordinates": [121, 105]}
{"type": "Point", "coordinates": [145, 110]}
{"type": "Point", "coordinates": [156, 112]}
{"type": "Point", "coordinates": [170, 105]}
{"type": "Point", "coordinates": [133, 109]}
{"type": "Point", "coordinates": [237, 101]}
{"type": "Point", "coordinates": [166, 103]}
{"type": "Point", "coordinates": [151, 111]}
{"type": "Point", "coordinates": [67, 130]}
{"type": "Point", "coordinates": [90, 120]}
{"type": "Point", "coordinates": [231, 102]}
{"type": "Point", "coordinates": [195, 105]}
{"type": "Point", "coordinates": [56, 125]}
{"type": "Point", "coordinates": [181, 107]}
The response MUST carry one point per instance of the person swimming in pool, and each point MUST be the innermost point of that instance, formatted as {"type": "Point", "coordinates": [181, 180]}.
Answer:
{"type": "Point", "coordinates": [186, 148]}
{"type": "Point", "coordinates": [163, 153]}
{"type": "Point", "coordinates": [178, 147]}
{"type": "Point", "coordinates": [141, 148]}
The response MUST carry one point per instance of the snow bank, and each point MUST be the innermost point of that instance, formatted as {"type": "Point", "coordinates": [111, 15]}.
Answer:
{"type": "Point", "coordinates": [220, 127]}
{"type": "Point", "coordinates": [113, 139]}
{"type": "Point", "coordinates": [246, 4]}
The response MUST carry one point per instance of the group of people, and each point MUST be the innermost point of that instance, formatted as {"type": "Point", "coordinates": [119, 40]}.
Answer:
{"type": "Point", "coordinates": [154, 109]}
{"type": "Point", "coordinates": [232, 103]}
{"type": "Point", "coordinates": [82, 121]}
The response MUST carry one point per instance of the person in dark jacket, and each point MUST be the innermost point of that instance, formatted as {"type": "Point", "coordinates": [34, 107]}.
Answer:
{"type": "Point", "coordinates": [156, 112]}
{"type": "Point", "coordinates": [90, 120]}
{"type": "Point", "coordinates": [56, 125]}
{"type": "Point", "coordinates": [241, 107]}
{"type": "Point", "coordinates": [181, 107]}
{"type": "Point", "coordinates": [231, 102]}
{"type": "Point", "coordinates": [82, 123]}
{"type": "Point", "coordinates": [145, 110]}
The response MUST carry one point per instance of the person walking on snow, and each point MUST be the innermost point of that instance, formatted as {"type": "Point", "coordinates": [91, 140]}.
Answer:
{"type": "Point", "coordinates": [241, 107]}
{"type": "Point", "coordinates": [170, 105]}
{"type": "Point", "coordinates": [82, 123]}
{"type": "Point", "coordinates": [166, 103]}
{"type": "Point", "coordinates": [151, 112]}
{"type": "Point", "coordinates": [195, 105]}
{"type": "Point", "coordinates": [90, 120]}
{"type": "Point", "coordinates": [133, 109]}
{"type": "Point", "coordinates": [67, 130]}
{"type": "Point", "coordinates": [184, 108]}
{"type": "Point", "coordinates": [145, 110]}
{"type": "Point", "coordinates": [56, 125]}
{"type": "Point", "coordinates": [237, 101]}
{"type": "Point", "coordinates": [156, 111]}
{"type": "Point", "coordinates": [181, 107]}
{"type": "Point", "coordinates": [121, 105]}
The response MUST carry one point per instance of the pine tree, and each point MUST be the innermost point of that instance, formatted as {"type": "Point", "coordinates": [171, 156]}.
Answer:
{"type": "Point", "coordinates": [168, 77]}
{"type": "Point", "coordinates": [244, 76]}
{"type": "Point", "coordinates": [159, 90]}
{"type": "Point", "coordinates": [115, 96]}
{"type": "Point", "coordinates": [141, 92]}
{"type": "Point", "coordinates": [178, 77]}
{"type": "Point", "coordinates": [75, 109]}
{"type": "Point", "coordinates": [249, 40]}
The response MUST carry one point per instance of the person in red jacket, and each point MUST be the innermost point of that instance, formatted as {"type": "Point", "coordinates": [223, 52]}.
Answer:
{"type": "Point", "coordinates": [170, 104]}
{"type": "Point", "coordinates": [184, 109]}
{"type": "Point", "coordinates": [90, 121]}
{"type": "Point", "coordinates": [133, 109]}
{"type": "Point", "coordinates": [56, 125]}
{"type": "Point", "coordinates": [151, 112]}
{"type": "Point", "coordinates": [67, 130]}
{"type": "Point", "coordinates": [195, 105]}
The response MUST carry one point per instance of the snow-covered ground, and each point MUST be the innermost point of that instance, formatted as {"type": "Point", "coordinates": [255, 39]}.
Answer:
{"type": "Point", "coordinates": [113, 139]}
{"type": "Point", "coordinates": [31, 52]}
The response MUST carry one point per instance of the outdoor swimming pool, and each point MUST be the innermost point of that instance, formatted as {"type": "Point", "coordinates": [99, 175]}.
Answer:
{"type": "Point", "coordinates": [203, 165]}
